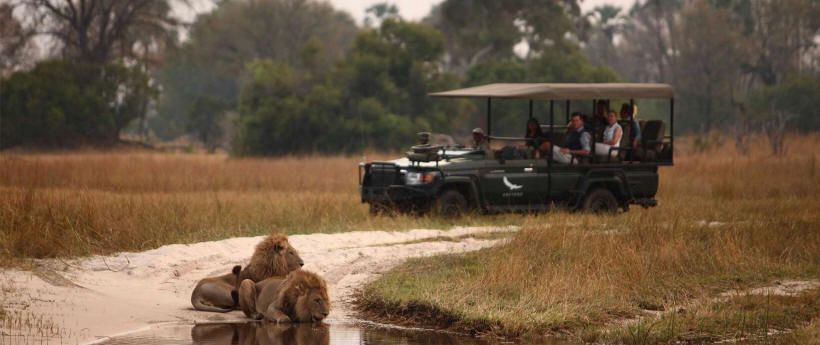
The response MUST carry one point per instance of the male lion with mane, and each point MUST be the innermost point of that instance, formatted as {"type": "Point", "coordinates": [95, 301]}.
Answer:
{"type": "Point", "coordinates": [299, 297]}
{"type": "Point", "coordinates": [273, 257]}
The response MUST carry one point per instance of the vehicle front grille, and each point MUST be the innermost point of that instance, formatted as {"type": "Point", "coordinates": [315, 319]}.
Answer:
{"type": "Point", "coordinates": [382, 175]}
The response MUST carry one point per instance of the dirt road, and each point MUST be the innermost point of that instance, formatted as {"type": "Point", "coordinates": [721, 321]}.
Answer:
{"type": "Point", "coordinates": [90, 299]}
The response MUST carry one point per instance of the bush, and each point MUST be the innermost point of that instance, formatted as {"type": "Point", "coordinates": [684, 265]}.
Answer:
{"type": "Point", "coordinates": [62, 104]}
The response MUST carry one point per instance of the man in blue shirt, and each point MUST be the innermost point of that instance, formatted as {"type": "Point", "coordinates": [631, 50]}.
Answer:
{"type": "Point", "coordinates": [577, 141]}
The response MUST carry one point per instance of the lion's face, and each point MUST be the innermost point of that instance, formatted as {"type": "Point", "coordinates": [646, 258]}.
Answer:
{"type": "Point", "coordinates": [292, 258]}
{"type": "Point", "coordinates": [312, 306]}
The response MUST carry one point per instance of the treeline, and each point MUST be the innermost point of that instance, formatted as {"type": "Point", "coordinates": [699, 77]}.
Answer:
{"type": "Point", "coordinates": [298, 76]}
{"type": "Point", "coordinates": [736, 65]}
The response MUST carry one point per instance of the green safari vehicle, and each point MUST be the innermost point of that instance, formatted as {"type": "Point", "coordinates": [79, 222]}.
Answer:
{"type": "Point", "coordinates": [453, 180]}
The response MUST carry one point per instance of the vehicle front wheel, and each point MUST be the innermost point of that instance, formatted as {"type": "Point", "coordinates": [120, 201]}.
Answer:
{"type": "Point", "coordinates": [600, 200]}
{"type": "Point", "coordinates": [451, 203]}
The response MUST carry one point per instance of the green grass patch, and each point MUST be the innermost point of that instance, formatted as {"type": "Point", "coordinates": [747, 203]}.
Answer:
{"type": "Point", "coordinates": [582, 274]}
{"type": "Point", "coordinates": [750, 318]}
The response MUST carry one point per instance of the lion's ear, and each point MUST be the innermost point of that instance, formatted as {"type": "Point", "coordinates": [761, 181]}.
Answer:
{"type": "Point", "coordinates": [279, 246]}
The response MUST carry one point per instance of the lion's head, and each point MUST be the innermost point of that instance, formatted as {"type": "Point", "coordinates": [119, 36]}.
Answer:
{"type": "Point", "coordinates": [274, 256]}
{"type": "Point", "coordinates": [304, 297]}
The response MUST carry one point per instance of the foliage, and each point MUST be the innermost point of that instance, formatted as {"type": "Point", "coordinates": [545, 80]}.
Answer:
{"type": "Point", "coordinates": [797, 97]}
{"type": "Point", "coordinates": [305, 35]}
{"type": "Point", "coordinates": [478, 30]}
{"type": "Point", "coordinates": [101, 31]}
{"type": "Point", "coordinates": [205, 117]}
{"type": "Point", "coordinates": [377, 96]}
{"type": "Point", "coordinates": [711, 51]}
{"type": "Point", "coordinates": [66, 104]}
{"type": "Point", "coordinates": [717, 54]}
{"type": "Point", "coordinates": [15, 46]}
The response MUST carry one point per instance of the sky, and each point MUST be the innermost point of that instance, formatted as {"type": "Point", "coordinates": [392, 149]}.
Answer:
{"type": "Point", "coordinates": [409, 9]}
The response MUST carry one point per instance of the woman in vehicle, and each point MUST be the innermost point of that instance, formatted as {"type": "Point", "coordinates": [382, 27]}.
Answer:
{"type": "Point", "coordinates": [535, 138]}
{"type": "Point", "coordinates": [611, 136]}
{"type": "Point", "coordinates": [599, 121]}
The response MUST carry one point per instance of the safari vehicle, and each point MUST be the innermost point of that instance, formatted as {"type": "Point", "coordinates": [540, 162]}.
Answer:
{"type": "Point", "coordinates": [452, 180]}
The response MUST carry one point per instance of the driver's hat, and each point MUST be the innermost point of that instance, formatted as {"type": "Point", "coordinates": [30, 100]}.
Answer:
{"type": "Point", "coordinates": [478, 130]}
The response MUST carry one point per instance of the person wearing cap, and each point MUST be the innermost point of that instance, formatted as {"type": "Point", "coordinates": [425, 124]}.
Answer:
{"type": "Point", "coordinates": [479, 140]}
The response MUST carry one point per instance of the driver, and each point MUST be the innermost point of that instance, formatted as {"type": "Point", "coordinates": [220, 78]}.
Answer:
{"type": "Point", "coordinates": [479, 140]}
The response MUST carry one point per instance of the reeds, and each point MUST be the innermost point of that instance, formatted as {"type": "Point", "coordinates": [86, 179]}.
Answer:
{"type": "Point", "coordinates": [96, 203]}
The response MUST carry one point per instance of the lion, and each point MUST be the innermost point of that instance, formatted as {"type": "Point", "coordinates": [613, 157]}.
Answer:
{"type": "Point", "coordinates": [273, 257]}
{"type": "Point", "coordinates": [299, 297]}
{"type": "Point", "coordinates": [217, 294]}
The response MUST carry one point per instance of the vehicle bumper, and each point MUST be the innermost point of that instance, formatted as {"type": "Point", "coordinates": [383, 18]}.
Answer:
{"type": "Point", "coordinates": [397, 193]}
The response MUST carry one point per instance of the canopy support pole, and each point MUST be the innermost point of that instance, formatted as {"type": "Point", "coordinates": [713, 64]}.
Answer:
{"type": "Point", "coordinates": [567, 111]}
{"type": "Point", "coordinates": [530, 108]}
{"type": "Point", "coordinates": [672, 130]}
{"type": "Point", "coordinates": [489, 117]}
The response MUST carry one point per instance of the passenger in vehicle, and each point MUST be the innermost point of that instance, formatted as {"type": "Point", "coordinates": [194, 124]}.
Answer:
{"type": "Point", "coordinates": [599, 121]}
{"type": "Point", "coordinates": [611, 136]}
{"type": "Point", "coordinates": [627, 114]}
{"type": "Point", "coordinates": [577, 141]}
{"type": "Point", "coordinates": [479, 140]}
{"type": "Point", "coordinates": [535, 138]}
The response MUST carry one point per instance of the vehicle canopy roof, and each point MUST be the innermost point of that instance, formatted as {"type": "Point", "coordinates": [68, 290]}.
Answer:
{"type": "Point", "coordinates": [549, 91]}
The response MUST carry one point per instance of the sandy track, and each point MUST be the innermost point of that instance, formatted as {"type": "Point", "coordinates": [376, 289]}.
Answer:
{"type": "Point", "coordinates": [93, 298]}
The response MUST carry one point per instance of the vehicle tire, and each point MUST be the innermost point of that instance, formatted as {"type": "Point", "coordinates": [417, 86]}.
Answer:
{"type": "Point", "coordinates": [451, 203]}
{"type": "Point", "coordinates": [600, 200]}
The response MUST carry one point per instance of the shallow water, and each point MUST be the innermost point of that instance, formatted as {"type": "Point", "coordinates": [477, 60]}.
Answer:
{"type": "Point", "coordinates": [258, 333]}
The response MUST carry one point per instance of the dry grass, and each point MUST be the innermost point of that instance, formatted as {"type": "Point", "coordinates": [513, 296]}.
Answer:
{"type": "Point", "coordinates": [95, 203]}
{"type": "Point", "coordinates": [724, 221]}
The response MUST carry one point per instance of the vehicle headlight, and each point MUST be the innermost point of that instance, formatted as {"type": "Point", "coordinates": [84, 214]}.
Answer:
{"type": "Point", "coordinates": [416, 177]}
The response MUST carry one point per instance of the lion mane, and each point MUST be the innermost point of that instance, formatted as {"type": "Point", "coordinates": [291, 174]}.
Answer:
{"type": "Point", "coordinates": [273, 257]}
{"type": "Point", "coordinates": [300, 297]}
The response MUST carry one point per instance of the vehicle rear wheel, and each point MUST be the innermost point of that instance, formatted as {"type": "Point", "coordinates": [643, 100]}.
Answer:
{"type": "Point", "coordinates": [600, 200]}
{"type": "Point", "coordinates": [451, 203]}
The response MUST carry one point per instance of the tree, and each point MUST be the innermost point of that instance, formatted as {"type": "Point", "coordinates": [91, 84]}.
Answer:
{"type": "Point", "coordinates": [65, 104]}
{"type": "Point", "coordinates": [305, 35]}
{"type": "Point", "coordinates": [100, 31]}
{"type": "Point", "coordinates": [784, 35]}
{"type": "Point", "coordinates": [205, 117]}
{"type": "Point", "coordinates": [600, 47]}
{"type": "Point", "coordinates": [711, 52]}
{"type": "Point", "coordinates": [379, 11]}
{"type": "Point", "coordinates": [649, 49]}
{"type": "Point", "coordinates": [479, 30]}
{"type": "Point", "coordinates": [376, 96]}
{"type": "Point", "coordinates": [15, 46]}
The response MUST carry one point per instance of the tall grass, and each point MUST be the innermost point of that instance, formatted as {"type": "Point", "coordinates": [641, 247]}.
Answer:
{"type": "Point", "coordinates": [83, 203]}
{"type": "Point", "coordinates": [724, 221]}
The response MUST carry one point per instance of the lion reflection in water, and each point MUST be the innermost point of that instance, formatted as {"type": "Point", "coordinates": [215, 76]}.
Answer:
{"type": "Point", "coordinates": [261, 333]}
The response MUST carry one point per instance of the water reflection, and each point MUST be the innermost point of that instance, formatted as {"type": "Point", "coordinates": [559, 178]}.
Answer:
{"type": "Point", "coordinates": [264, 333]}
{"type": "Point", "coordinates": [260, 333]}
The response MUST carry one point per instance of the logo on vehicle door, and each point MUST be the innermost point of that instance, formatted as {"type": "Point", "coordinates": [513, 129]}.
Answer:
{"type": "Point", "coordinates": [510, 185]}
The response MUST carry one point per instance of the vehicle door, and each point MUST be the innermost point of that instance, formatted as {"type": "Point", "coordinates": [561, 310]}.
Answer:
{"type": "Point", "coordinates": [511, 183]}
